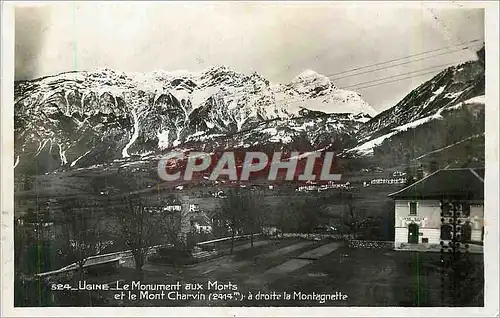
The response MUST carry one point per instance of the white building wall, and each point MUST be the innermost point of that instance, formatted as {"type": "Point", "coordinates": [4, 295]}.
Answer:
{"type": "Point", "coordinates": [428, 218]}
{"type": "Point", "coordinates": [476, 220]}
{"type": "Point", "coordinates": [476, 235]}
{"type": "Point", "coordinates": [400, 236]}
{"type": "Point", "coordinates": [433, 236]}
{"type": "Point", "coordinates": [476, 216]}
{"type": "Point", "coordinates": [476, 209]}
{"type": "Point", "coordinates": [428, 214]}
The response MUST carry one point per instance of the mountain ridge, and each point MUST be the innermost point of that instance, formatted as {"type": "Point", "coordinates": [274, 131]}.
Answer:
{"type": "Point", "coordinates": [107, 114]}
{"type": "Point", "coordinates": [80, 119]}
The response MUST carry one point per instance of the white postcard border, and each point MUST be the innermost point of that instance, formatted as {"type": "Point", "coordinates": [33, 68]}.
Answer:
{"type": "Point", "coordinates": [491, 295]}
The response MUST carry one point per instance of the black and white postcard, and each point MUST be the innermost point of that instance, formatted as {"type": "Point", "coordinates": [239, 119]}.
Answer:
{"type": "Point", "coordinates": [249, 158]}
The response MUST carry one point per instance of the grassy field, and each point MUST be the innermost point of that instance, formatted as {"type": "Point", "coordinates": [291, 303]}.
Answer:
{"type": "Point", "coordinates": [380, 278]}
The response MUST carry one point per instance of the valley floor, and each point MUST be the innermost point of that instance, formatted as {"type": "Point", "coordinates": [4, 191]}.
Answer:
{"type": "Point", "coordinates": [303, 268]}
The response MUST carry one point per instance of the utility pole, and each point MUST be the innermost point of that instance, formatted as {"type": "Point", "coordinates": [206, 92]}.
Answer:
{"type": "Point", "coordinates": [455, 267]}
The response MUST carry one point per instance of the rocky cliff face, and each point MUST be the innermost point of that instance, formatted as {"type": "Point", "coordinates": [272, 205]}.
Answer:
{"type": "Point", "coordinates": [79, 119]}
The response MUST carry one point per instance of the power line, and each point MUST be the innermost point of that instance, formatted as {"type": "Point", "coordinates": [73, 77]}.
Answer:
{"type": "Point", "coordinates": [398, 64]}
{"type": "Point", "coordinates": [235, 95]}
{"type": "Point", "coordinates": [369, 86]}
{"type": "Point", "coordinates": [285, 101]}
{"type": "Point", "coordinates": [406, 73]}
{"type": "Point", "coordinates": [405, 57]}
{"type": "Point", "coordinates": [395, 80]}
{"type": "Point", "coordinates": [304, 100]}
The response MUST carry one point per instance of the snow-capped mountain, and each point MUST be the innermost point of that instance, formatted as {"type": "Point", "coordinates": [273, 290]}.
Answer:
{"type": "Point", "coordinates": [82, 118]}
{"type": "Point", "coordinates": [448, 88]}
{"type": "Point", "coordinates": [444, 111]}
{"type": "Point", "coordinates": [313, 130]}
{"type": "Point", "coordinates": [320, 90]}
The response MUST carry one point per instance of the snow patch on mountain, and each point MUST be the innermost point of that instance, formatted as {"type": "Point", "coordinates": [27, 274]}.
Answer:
{"type": "Point", "coordinates": [309, 82]}
{"type": "Point", "coordinates": [75, 161]}
{"type": "Point", "coordinates": [62, 155]}
{"type": "Point", "coordinates": [316, 92]}
{"type": "Point", "coordinates": [478, 100]}
{"type": "Point", "coordinates": [42, 145]}
{"type": "Point", "coordinates": [163, 139]}
{"type": "Point", "coordinates": [481, 99]}
{"type": "Point", "coordinates": [367, 147]}
{"type": "Point", "coordinates": [134, 135]}
{"type": "Point", "coordinates": [435, 94]}
{"type": "Point", "coordinates": [420, 121]}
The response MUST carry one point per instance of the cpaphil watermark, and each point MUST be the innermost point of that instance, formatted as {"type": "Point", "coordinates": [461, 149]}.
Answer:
{"type": "Point", "coordinates": [242, 166]}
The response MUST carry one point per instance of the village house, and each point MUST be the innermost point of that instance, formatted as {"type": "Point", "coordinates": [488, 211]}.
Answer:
{"type": "Point", "coordinates": [310, 186]}
{"type": "Point", "coordinates": [182, 211]}
{"type": "Point", "coordinates": [421, 208]}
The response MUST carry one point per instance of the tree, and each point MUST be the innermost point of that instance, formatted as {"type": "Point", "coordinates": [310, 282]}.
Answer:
{"type": "Point", "coordinates": [136, 229]}
{"type": "Point", "coordinates": [252, 214]}
{"type": "Point", "coordinates": [420, 172]}
{"type": "Point", "coordinates": [82, 232]}
{"type": "Point", "coordinates": [242, 211]}
{"type": "Point", "coordinates": [301, 215]}
{"type": "Point", "coordinates": [231, 213]}
{"type": "Point", "coordinates": [20, 243]}
{"type": "Point", "coordinates": [288, 217]}
{"type": "Point", "coordinates": [311, 214]}
{"type": "Point", "coordinates": [140, 227]}
{"type": "Point", "coordinates": [433, 166]}
{"type": "Point", "coordinates": [410, 178]}
{"type": "Point", "coordinates": [353, 217]}
{"type": "Point", "coordinates": [481, 55]}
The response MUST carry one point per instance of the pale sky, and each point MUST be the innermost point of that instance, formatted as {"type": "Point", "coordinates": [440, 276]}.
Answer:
{"type": "Point", "coordinates": [279, 40]}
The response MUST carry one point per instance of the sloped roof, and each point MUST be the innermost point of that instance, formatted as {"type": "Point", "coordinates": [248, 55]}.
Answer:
{"type": "Point", "coordinates": [463, 183]}
{"type": "Point", "coordinates": [201, 219]}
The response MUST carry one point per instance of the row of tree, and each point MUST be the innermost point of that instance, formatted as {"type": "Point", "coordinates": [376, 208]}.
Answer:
{"type": "Point", "coordinates": [239, 213]}
{"type": "Point", "coordinates": [84, 228]}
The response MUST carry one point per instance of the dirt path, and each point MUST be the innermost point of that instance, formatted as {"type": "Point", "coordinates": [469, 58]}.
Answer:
{"type": "Point", "coordinates": [320, 251]}
{"type": "Point", "coordinates": [259, 281]}
{"type": "Point", "coordinates": [286, 250]}
{"type": "Point", "coordinates": [294, 264]}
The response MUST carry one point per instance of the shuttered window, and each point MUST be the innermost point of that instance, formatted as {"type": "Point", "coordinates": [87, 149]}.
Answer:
{"type": "Point", "coordinates": [413, 208]}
